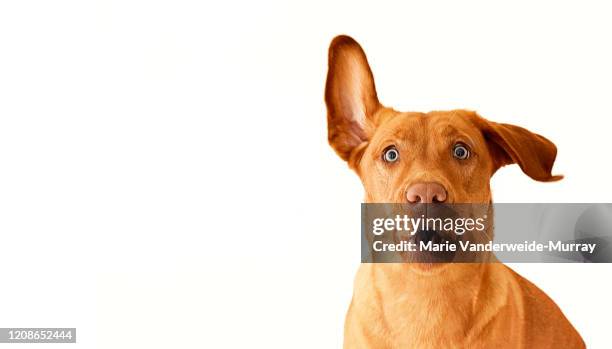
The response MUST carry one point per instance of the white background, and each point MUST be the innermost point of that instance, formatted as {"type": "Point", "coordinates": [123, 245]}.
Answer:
{"type": "Point", "coordinates": [165, 178]}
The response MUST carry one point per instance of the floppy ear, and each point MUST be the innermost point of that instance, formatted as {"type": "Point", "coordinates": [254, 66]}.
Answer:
{"type": "Point", "coordinates": [350, 96]}
{"type": "Point", "coordinates": [511, 144]}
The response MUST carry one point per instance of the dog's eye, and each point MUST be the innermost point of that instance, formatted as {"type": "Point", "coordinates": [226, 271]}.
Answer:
{"type": "Point", "coordinates": [390, 154]}
{"type": "Point", "coordinates": [460, 151]}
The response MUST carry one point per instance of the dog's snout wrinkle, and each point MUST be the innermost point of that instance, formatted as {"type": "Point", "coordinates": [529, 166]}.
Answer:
{"type": "Point", "coordinates": [427, 193]}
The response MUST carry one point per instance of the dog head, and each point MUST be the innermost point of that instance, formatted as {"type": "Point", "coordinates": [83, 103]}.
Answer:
{"type": "Point", "coordinates": [411, 157]}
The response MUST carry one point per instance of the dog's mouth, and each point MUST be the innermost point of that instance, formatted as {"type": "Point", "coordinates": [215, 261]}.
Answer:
{"type": "Point", "coordinates": [431, 234]}
{"type": "Point", "coordinates": [435, 237]}
{"type": "Point", "coordinates": [433, 245]}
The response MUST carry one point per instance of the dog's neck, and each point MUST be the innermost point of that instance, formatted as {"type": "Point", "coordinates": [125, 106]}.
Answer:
{"type": "Point", "coordinates": [447, 300]}
{"type": "Point", "coordinates": [446, 281]}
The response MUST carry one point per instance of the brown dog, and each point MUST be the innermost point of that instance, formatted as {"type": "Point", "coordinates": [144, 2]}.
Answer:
{"type": "Point", "coordinates": [443, 156]}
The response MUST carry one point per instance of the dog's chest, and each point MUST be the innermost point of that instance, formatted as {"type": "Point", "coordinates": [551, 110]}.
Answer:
{"type": "Point", "coordinates": [427, 323]}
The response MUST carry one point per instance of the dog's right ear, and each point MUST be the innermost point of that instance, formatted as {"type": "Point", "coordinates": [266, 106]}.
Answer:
{"type": "Point", "coordinates": [351, 98]}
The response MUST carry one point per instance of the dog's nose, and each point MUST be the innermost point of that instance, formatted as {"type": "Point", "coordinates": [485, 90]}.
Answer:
{"type": "Point", "coordinates": [426, 193]}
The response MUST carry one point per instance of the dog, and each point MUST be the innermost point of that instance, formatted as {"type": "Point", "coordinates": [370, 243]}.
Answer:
{"type": "Point", "coordinates": [435, 157]}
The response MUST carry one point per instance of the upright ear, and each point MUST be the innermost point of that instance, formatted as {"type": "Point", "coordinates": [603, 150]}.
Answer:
{"type": "Point", "coordinates": [511, 144]}
{"type": "Point", "coordinates": [350, 96]}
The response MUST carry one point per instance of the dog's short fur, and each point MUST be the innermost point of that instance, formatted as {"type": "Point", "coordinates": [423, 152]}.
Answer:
{"type": "Point", "coordinates": [444, 305]}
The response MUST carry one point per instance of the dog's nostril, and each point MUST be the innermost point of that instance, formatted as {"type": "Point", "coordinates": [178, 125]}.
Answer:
{"type": "Point", "coordinates": [414, 198]}
{"type": "Point", "coordinates": [439, 197]}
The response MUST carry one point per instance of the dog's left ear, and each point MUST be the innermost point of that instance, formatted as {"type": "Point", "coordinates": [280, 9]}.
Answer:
{"type": "Point", "coordinates": [511, 144]}
{"type": "Point", "coordinates": [350, 96]}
